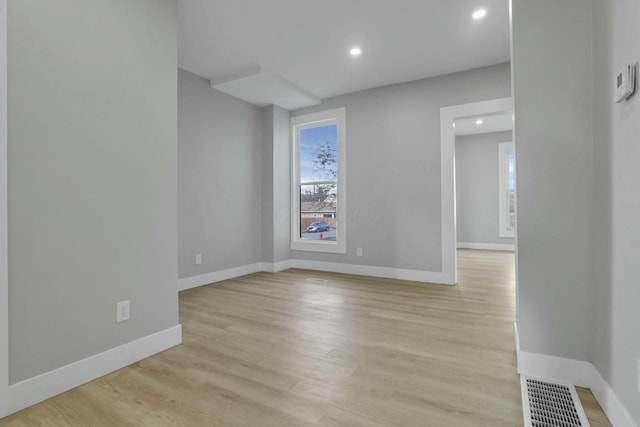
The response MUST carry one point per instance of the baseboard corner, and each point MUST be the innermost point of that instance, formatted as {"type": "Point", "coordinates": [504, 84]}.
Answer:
{"type": "Point", "coordinates": [609, 402]}
{"type": "Point", "coordinates": [218, 276]}
{"type": "Point", "coordinates": [578, 373]}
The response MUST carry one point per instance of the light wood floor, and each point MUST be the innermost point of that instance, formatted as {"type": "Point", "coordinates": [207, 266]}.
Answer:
{"type": "Point", "coordinates": [280, 350]}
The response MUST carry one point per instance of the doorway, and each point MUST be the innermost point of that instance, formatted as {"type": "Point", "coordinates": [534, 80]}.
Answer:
{"type": "Point", "coordinates": [485, 182]}
{"type": "Point", "coordinates": [448, 118]}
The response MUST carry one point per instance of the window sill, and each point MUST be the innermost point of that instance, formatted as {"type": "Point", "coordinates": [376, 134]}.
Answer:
{"type": "Point", "coordinates": [507, 233]}
{"type": "Point", "coordinates": [318, 246]}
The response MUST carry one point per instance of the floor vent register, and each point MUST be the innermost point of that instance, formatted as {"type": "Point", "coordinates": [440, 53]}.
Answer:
{"type": "Point", "coordinates": [547, 404]}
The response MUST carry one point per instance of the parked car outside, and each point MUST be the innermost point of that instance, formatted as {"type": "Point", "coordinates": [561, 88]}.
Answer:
{"type": "Point", "coordinates": [318, 226]}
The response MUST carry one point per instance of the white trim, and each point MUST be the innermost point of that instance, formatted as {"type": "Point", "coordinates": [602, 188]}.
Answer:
{"type": "Point", "coordinates": [311, 245]}
{"type": "Point", "coordinates": [578, 373]}
{"type": "Point", "coordinates": [447, 173]}
{"type": "Point", "coordinates": [271, 267]}
{"type": "Point", "coordinates": [575, 372]}
{"type": "Point", "coordinates": [49, 384]}
{"type": "Point", "coordinates": [487, 246]}
{"type": "Point", "coordinates": [447, 193]}
{"type": "Point", "coordinates": [218, 276]}
{"type": "Point", "coordinates": [334, 116]}
{"type": "Point", "coordinates": [4, 279]}
{"type": "Point", "coordinates": [373, 271]}
{"type": "Point", "coordinates": [559, 369]}
{"type": "Point", "coordinates": [503, 189]}
{"type": "Point", "coordinates": [606, 397]}
{"type": "Point", "coordinates": [526, 409]}
{"type": "Point", "coordinates": [335, 267]}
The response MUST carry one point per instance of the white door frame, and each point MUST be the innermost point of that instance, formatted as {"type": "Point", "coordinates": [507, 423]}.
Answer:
{"type": "Point", "coordinates": [4, 286]}
{"type": "Point", "coordinates": [448, 115]}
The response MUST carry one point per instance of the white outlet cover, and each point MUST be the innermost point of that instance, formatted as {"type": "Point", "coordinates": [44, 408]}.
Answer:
{"type": "Point", "coordinates": [123, 311]}
{"type": "Point", "coordinates": [198, 259]}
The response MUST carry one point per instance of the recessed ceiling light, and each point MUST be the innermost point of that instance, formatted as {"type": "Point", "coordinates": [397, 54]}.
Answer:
{"type": "Point", "coordinates": [356, 51]}
{"type": "Point", "coordinates": [478, 122]}
{"type": "Point", "coordinates": [479, 14]}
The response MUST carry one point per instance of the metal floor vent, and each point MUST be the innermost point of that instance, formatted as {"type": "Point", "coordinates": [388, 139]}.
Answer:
{"type": "Point", "coordinates": [316, 280]}
{"type": "Point", "coordinates": [546, 404]}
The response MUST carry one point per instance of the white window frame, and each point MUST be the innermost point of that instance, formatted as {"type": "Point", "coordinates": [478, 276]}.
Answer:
{"type": "Point", "coordinates": [334, 116]}
{"type": "Point", "coordinates": [503, 189]}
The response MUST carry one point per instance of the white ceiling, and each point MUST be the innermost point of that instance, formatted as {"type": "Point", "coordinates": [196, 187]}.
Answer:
{"type": "Point", "coordinates": [261, 88]}
{"type": "Point", "coordinates": [493, 123]}
{"type": "Point", "coordinates": [307, 42]}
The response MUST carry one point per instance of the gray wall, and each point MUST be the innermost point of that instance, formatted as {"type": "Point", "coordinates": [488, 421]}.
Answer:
{"type": "Point", "coordinates": [553, 136]}
{"type": "Point", "coordinates": [92, 176]}
{"type": "Point", "coordinates": [276, 179]}
{"type": "Point", "coordinates": [578, 300]}
{"type": "Point", "coordinates": [282, 184]}
{"type": "Point", "coordinates": [267, 183]}
{"type": "Point", "coordinates": [616, 202]}
{"type": "Point", "coordinates": [219, 178]}
{"type": "Point", "coordinates": [393, 169]}
{"type": "Point", "coordinates": [477, 188]}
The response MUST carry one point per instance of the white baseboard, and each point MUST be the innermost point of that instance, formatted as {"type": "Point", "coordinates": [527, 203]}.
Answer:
{"type": "Point", "coordinates": [371, 270]}
{"type": "Point", "coordinates": [575, 372]}
{"type": "Point", "coordinates": [357, 269]}
{"type": "Point", "coordinates": [487, 246]}
{"type": "Point", "coordinates": [49, 384]}
{"type": "Point", "coordinates": [271, 267]}
{"type": "Point", "coordinates": [218, 276]}
{"type": "Point", "coordinates": [554, 368]}
{"type": "Point", "coordinates": [606, 397]}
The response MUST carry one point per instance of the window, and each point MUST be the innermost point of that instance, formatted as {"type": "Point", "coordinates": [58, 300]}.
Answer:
{"type": "Point", "coordinates": [507, 189]}
{"type": "Point", "coordinates": [318, 196]}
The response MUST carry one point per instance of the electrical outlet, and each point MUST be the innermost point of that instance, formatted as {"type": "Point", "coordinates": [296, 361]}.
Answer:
{"type": "Point", "coordinates": [123, 311]}
{"type": "Point", "coordinates": [198, 259]}
{"type": "Point", "coordinates": [359, 251]}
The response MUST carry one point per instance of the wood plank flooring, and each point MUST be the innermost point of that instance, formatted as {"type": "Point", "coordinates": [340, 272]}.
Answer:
{"type": "Point", "coordinates": [280, 350]}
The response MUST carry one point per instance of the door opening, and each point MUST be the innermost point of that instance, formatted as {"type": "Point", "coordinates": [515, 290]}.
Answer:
{"type": "Point", "coordinates": [448, 117]}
